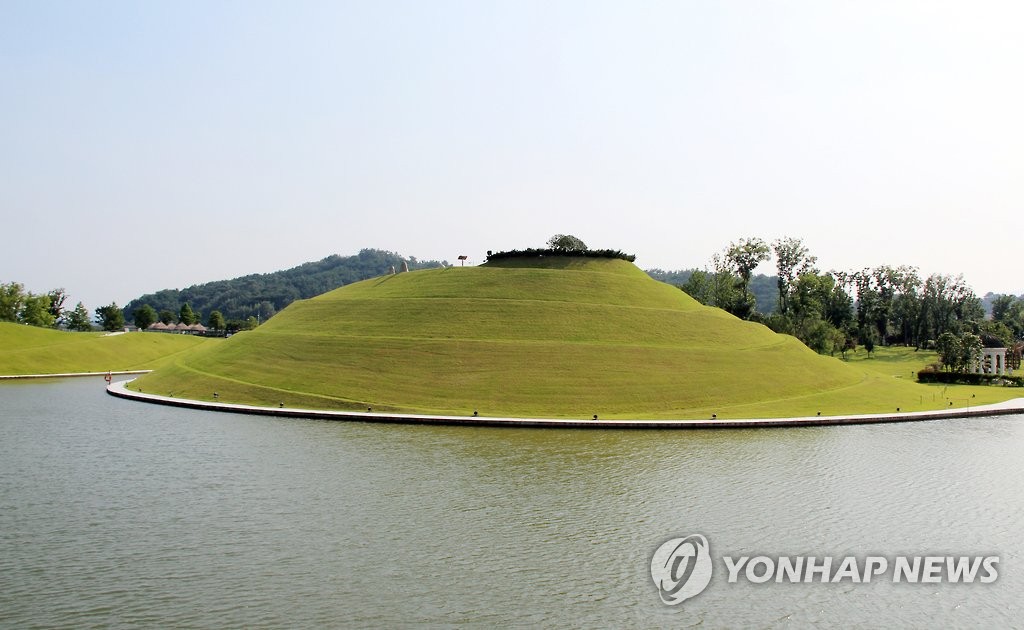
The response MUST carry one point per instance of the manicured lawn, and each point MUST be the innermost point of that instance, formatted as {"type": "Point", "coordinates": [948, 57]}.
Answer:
{"type": "Point", "coordinates": [30, 350]}
{"type": "Point", "coordinates": [904, 363]}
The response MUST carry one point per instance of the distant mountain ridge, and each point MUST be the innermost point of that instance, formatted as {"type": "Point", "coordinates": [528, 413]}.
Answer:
{"type": "Point", "coordinates": [263, 295]}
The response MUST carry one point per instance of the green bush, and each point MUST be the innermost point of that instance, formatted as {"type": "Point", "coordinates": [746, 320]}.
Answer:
{"type": "Point", "coordinates": [539, 253]}
{"type": "Point", "coordinates": [962, 378]}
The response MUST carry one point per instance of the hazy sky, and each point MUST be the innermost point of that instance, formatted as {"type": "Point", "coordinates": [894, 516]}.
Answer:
{"type": "Point", "coordinates": [149, 145]}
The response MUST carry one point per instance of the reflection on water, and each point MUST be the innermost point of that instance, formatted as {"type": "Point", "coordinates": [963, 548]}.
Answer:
{"type": "Point", "coordinates": [117, 512]}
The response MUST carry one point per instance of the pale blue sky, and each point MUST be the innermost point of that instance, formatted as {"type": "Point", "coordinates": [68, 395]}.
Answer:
{"type": "Point", "coordinates": [149, 145]}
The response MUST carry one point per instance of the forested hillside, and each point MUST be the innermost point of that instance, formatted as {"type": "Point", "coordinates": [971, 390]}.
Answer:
{"type": "Point", "coordinates": [262, 295]}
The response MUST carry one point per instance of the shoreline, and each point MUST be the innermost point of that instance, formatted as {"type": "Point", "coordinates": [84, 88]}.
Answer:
{"type": "Point", "coordinates": [13, 377]}
{"type": "Point", "coordinates": [1009, 407]}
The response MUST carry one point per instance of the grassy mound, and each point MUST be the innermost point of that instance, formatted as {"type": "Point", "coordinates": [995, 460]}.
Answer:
{"type": "Point", "coordinates": [551, 337]}
{"type": "Point", "coordinates": [31, 350]}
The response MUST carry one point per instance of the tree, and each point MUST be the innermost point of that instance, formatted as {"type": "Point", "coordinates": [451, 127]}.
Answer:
{"type": "Point", "coordinates": [12, 298]}
{"type": "Point", "coordinates": [946, 303]}
{"type": "Point", "coordinates": [791, 261]}
{"type": "Point", "coordinates": [110, 317]}
{"type": "Point", "coordinates": [264, 311]}
{"type": "Point", "coordinates": [1001, 306]}
{"type": "Point", "coordinates": [78, 319]}
{"type": "Point", "coordinates": [849, 343]}
{"type": "Point", "coordinates": [698, 286]}
{"type": "Point", "coordinates": [35, 311]}
{"type": "Point", "coordinates": [744, 257]}
{"type": "Point", "coordinates": [906, 306]}
{"type": "Point", "coordinates": [566, 243]}
{"type": "Point", "coordinates": [719, 288]}
{"type": "Point", "coordinates": [1009, 311]}
{"type": "Point", "coordinates": [819, 311]}
{"type": "Point", "coordinates": [144, 316]}
{"type": "Point", "coordinates": [994, 334]}
{"type": "Point", "coordinates": [216, 321]}
{"type": "Point", "coordinates": [57, 299]}
{"type": "Point", "coordinates": [958, 352]}
{"type": "Point", "coordinates": [970, 349]}
{"type": "Point", "coordinates": [186, 316]}
{"type": "Point", "coordinates": [166, 316]}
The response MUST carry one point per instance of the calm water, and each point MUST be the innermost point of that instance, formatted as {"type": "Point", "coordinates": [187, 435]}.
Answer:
{"type": "Point", "coordinates": [117, 513]}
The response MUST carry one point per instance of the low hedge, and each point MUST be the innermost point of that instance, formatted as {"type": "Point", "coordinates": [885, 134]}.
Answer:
{"type": "Point", "coordinates": [960, 378]}
{"type": "Point", "coordinates": [537, 253]}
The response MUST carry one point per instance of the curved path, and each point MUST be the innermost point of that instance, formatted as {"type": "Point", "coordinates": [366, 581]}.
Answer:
{"type": "Point", "coordinates": [1015, 406]}
{"type": "Point", "coordinates": [70, 374]}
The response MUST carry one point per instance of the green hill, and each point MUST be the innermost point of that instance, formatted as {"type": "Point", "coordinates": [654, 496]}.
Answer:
{"type": "Point", "coordinates": [31, 350]}
{"type": "Point", "coordinates": [555, 337]}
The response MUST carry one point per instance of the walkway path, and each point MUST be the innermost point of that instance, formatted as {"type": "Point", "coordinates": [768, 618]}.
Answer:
{"type": "Point", "coordinates": [69, 374]}
{"type": "Point", "coordinates": [1015, 406]}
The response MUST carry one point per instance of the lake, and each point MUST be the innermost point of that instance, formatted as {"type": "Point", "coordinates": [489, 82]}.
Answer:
{"type": "Point", "coordinates": [116, 512]}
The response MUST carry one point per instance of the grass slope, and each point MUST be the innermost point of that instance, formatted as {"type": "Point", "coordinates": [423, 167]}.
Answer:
{"type": "Point", "coordinates": [31, 350]}
{"type": "Point", "coordinates": [554, 338]}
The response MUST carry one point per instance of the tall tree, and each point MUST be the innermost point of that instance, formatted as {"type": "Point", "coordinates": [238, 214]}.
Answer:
{"type": "Point", "coordinates": [1001, 306]}
{"type": "Point", "coordinates": [792, 259]}
{"type": "Point", "coordinates": [35, 311]}
{"type": "Point", "coordinates": [12, 298]}
{"type": "Point", "coordinates": [110, 317]}
{"type": "Point", "coordinates": [946, 304]}
{"type": "Point", "coordinates": [906, 305]}
{"type": "Point", "coordinates": [1009, 311]}
{"type": "Point", "coordinates": [78, 319]}
{"type": "Point", "coordinates": [216, 321]}
{"type": "Point", "coordinates": [744, 256]}
{"type": "Point", "coordinates": [185, 315]}
{"type": "Point", "coordinates": [57, 299]}
{"type": "Point", "coordinates": [958, 351]}
{"type": "Point", "coordinates": [144, 316]}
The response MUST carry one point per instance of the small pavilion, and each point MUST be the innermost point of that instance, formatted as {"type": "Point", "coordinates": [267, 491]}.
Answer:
{"type": "Point", "coordinates": [991, 361]}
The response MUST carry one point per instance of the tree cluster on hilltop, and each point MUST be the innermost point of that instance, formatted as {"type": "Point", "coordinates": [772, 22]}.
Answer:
{"type": "Point", "coordinates": [835, 311]}
{"type": "Point", "coordinates": [562, 245]}
{"type": "Point", "coordinates": [260, 296]}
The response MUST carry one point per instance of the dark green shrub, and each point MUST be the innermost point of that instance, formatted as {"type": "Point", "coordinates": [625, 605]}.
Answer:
{"type": "Point", "coordinates": [540, 253]}
{"type": "Point", "coordinates": [961, 378]}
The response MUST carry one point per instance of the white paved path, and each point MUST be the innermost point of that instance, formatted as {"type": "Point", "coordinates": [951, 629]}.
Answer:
{"type": "Point", "coordinates": [1015, 406]}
